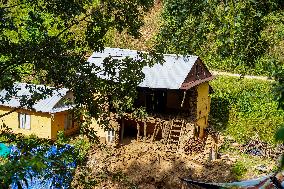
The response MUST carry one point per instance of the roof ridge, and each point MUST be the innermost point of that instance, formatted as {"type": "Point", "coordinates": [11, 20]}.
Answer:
{"type": "Point", "coordinates": [171, 74]}
{"type": "Point", "coordinates": [165, 54]}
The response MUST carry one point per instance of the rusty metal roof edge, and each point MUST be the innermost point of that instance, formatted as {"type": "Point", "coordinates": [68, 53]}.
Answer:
{"type": "Point", "coordinates": [186, 86]}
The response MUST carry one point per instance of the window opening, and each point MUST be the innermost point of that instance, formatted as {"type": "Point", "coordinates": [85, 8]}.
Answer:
{"type": "Point", "coordinates": [156, 101]}
{"type": "Point", "coordinates": [110, 136]}
{"type": "Point", "coordinates": [68, 122]}
{"type": "Point", "coordinates": [24, 121]}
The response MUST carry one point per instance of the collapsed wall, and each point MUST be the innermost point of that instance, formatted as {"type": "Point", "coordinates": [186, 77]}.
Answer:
{"type": "Point", "coordinates": [178, 134]}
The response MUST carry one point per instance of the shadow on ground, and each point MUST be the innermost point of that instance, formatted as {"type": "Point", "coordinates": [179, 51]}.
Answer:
{"type": "Point", "coordinates": [219, 113]}
{"type": "Point", "coordinates": [165, 172]}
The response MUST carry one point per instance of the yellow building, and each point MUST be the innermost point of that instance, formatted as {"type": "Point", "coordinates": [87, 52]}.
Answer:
{"type": "Point", "coordinates": [175, 94]}
{"type": "Point", "coordinates": [47, 116]}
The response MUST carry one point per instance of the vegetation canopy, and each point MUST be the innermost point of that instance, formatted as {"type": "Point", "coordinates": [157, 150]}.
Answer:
{"type": "Point", "coordinates": [48, 42]}
{"type": "Point", "coordinates": [231, 35]}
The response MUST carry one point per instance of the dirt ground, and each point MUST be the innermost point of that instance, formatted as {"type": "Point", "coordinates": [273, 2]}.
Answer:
{"type": "Point", "coordinates": [149, 165]}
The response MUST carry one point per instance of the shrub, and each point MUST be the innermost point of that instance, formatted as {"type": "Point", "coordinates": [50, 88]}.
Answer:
{"type": "Point", "coordinates": [239, 170]}
{"type": "Point", "coordinates": [245, 108]}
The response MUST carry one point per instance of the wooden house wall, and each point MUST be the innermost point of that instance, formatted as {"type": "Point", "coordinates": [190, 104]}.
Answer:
{"type": "Point", "coordinates": [203, 106]}
{"type": "Point", "coordinates": [170, 102]}
{"type": "Point", "coordinates": [198, 72]}
{"type": "Point", "coordinates": [40, 122]}
{"type": "Point", "coordinates": [57, 124]}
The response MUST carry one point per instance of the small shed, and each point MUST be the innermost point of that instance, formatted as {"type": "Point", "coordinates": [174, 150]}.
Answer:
{"type": "Point", "coordinates": [175, 95]}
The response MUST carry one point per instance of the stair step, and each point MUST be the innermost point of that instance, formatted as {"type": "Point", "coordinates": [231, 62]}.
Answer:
{"type": "Point", "coordinates": [172, 147]}
{"type": "Point", "coordinates": [173, 141]}
{"type": "Point", "coordinates": [174, 136]}
{"type": "Point", "coordinates": [176, 131]}
{"type": "Point", "coordinates": [176, 120]}
{"type": "Point", "coordinates": [177, 125]}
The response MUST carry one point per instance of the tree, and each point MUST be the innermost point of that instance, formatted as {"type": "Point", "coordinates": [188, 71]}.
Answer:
{"type": "Point", "coordinates": [279, 95]}
{"type": "Point", "coordinates": [227, 34]}
{"type": "Point", "coordinates": [48, 42]}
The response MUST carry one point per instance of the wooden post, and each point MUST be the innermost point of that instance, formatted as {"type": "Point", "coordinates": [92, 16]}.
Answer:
{"type": "Point", "coordinates": [164, 130]}
{"type": "Point", "coordinates": [145, 130]}
{"type": "Point", "coordinates": [122, 130]}
{"type": "Point", "coordinates": [116, 135]}
{"type": "Point", "coordinates": [155, 130]}
{"type": "Point", "coordinates": [138, 131]}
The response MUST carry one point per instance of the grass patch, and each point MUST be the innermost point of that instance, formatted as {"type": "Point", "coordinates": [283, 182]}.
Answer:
{"type": "Point", "coordinates": [239, 170]}
{"type": "Point", "coordinates": [245, 108]}
{"type": "Point", "coordinates": [248, 167]}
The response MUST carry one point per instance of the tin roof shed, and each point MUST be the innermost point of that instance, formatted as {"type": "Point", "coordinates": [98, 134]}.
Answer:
{"type": "Point", "coordinates": [49, 104]}
{"type": "Point", "coordinates": [177, 71]}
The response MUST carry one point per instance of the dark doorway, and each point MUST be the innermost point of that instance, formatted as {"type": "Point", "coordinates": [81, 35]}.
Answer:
{"type": "Point", "coordinates": [156, 101]}
{"type": "Point", "coordinates": [128, 131]}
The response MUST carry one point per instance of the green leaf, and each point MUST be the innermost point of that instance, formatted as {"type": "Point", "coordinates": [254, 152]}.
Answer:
{"type": "Point", "coordinates": [282, 162]}
{"type": "Point", "coordinates": [279, 136]}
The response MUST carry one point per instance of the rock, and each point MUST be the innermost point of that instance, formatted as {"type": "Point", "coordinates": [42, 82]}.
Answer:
{"type": "Point", "coordinates": [262, 168]}
{"type": "Point", "coordinates": [224, 156]}
{"type": "Point", "coordinates": [235, 144]}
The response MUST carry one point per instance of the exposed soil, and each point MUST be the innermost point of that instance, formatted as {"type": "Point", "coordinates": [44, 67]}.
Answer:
{"type": "Point", "coordinates": [216, 73]}
{"type": "Point", "coordinates": [148, 165]}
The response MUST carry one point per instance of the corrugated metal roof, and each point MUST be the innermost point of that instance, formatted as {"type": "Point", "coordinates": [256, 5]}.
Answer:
{"type": "Point", "coordinates": [169, 75]}
{"type": "Point", "coordinates": [45, 105]}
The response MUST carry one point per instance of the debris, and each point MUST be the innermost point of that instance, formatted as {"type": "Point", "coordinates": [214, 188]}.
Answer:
{"type": "Point", "coordinates": [262, 168]}
{"type": "Point", "coordinates": [148, 165]}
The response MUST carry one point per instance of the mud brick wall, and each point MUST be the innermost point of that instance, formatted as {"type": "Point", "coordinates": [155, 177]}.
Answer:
{"type": "Point", "coordinates": [187, 134]}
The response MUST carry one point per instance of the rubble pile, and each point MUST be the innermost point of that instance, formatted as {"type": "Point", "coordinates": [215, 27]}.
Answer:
{"type": "Point", "coordinates": [149, 165]}
{"type": "Point", "coordinates": [262, 149]}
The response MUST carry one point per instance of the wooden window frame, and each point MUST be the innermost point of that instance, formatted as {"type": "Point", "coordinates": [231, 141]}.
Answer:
{"type": "Point", "coordinates": [110, 136]}
{"type": "Point", "coordinates": [68, 121]}
{"type": "Point", "coordinates": [26, 119]}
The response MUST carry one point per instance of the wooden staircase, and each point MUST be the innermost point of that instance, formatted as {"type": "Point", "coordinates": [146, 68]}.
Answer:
{"type": "Point", "coordinates": [174, 135]}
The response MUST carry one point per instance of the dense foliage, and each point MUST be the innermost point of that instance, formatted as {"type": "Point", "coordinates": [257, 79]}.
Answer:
{"type": "Point", "coordinates": [279, 91]}
{"type": "Point", "coordinates": [245, 108]}
{"type": "Point", "coordinates": [229, 35]}
{"type": "Point", "coordinates": [48, 42]}
{"type": "Point", "coordinates": [60, 162]}
{"type": "Point", "coordinates": [35, 163]}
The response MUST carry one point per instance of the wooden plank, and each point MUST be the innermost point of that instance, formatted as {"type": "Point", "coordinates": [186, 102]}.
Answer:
{"type": "Point", "coordinates": [122, 130]}
{"type": "Point", "coordinates": [145, 130]}
{"type": "Point", "coordinates": [155, 130]}
{"type": "Point", "coordinates": [138, 131]}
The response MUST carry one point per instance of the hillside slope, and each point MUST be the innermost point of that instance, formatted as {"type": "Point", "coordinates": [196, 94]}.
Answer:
{"type": "Point", "coordinates": [148, 32]}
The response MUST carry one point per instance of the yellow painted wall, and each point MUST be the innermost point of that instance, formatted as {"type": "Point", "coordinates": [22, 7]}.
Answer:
{"type": "Point", "coordinates": [40, 122]}
{"type": "Point", "coordinates": [203, 106]}
{"type": "Point", "coordinates": [101, 133]}
{"type": "Point", "coordinates": [57, 124]}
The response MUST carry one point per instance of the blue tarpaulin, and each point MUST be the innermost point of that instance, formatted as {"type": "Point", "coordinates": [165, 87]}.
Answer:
{"type": "Point", "coordinates": [4, 150]}
{"type": "Point", "coordinates": [49, 178]}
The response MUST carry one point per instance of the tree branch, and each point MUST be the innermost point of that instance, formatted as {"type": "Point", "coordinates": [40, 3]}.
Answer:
{"type": "Point", "coordinates": [12, 6]}
{"type": "Point", "coordinates": [11, 111]}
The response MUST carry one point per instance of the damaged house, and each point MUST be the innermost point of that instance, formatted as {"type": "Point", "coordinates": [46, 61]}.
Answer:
{"type": "Point", "coordinates": [175, 95]}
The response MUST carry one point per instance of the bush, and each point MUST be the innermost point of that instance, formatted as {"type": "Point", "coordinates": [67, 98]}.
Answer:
{"type": "Point", "coordinates": [239, 170]}
{"type": "Point", "coordinates": [245, 108]}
